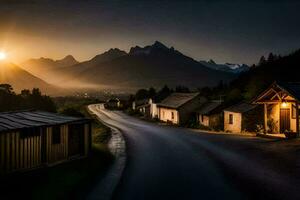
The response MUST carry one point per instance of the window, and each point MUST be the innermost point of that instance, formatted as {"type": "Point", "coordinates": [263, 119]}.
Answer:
{"type": "Point", "coordinates": [202, 118]}
{"type": "Point", "coordinates": [230, 118]}
{"type": "Point", "coordinates": [172, 115]}
{"type": "Point", "coordinates": [56, 137]}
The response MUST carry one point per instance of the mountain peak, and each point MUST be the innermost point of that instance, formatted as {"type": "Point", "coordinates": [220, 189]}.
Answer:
{"type": "Point", "coordinates": [150, 49]}
{"type": "Point", "coordinates": [67, 61]}
{"type": "Point", "coordinates": [158, 44]}
{"type": "Point", "coordinates": [109, 55]}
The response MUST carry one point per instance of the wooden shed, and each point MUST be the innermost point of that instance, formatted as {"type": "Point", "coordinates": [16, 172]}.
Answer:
{"type": "Point", "coordinates": [33, 139]}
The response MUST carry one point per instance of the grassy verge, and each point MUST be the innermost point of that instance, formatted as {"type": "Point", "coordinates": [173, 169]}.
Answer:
{"type": "Point", "coordinates": [72, 180]}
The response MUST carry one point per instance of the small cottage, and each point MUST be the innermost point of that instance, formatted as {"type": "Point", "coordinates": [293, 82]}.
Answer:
{"type": "Point", "coordinates": [145, 106]}
{"type": "Point", "coordinates": [178, 107]}
{"type": "Point", "coordinates": [210, 114]}
{"type": "Point", "coordinates": [242, 117]}
{"type": "Point", "coordinates": [33, 139]}
{"type": "Point", "coordinates": [281, 107]}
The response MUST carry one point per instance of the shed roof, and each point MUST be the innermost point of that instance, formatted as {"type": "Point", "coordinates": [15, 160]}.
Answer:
{"type": "Point", "coordinates": [30, 119]}
{"type": "Point", "coordinates": [241, 107]}
{"type": "Point", "coordinates": [209, 108]}
{"type": "Point", "coordinates": [293, 88]}
{"type": "Point", "coordinates": [175, 100]}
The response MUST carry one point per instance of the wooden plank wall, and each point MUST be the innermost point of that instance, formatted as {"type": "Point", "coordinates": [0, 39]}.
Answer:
{"type": "Point", "coordinates": [57, 152]}
{"type": "Point", "coordinates": [87, 139]}
{"type": "Point", "coordinates": [18, 153]}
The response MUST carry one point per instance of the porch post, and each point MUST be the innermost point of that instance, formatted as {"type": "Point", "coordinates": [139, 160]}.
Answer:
{"type": "Point", "coordinates": [266, 118]}
{"type": "Point", "coordinates": [297, 118]}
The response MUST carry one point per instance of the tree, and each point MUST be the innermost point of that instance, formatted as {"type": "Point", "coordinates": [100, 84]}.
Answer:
{"type": "Point", "coordinates": [262, 60]}
{"type": "Point", "coordinates": [181, 88]}
{"type": "Point", "coordinates": [7, 88]}
{"type": "Point", "coordinates": [141, 94]}
{"type": "Point", "coordinates": [271, 58]}
{"type": "Point", "coordinates": [152, 92]}
{"type": "Point", "coordinates": [163, 93]}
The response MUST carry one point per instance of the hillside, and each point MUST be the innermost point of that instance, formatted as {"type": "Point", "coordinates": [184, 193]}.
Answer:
{"type": "Point", "coordinates": [21, 79]}
{"type": "Point", "coordinates": [47, 69]}
{"type": "Point", "coordinates": [154, 65]}
{"type": "Point", "coordinates": [259, 77]}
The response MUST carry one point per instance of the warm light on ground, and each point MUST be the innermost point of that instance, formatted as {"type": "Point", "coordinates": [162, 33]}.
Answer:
{"type": "Point", "coordinates": [2, 56]}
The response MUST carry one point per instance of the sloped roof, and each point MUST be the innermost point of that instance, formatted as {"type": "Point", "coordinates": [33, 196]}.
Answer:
{"type": "Point", "coordinates": [175, 100]}
{"type": "Point", "coordinates": [290, 88]}
{"type": "Point", "coordinates": [241, 107]}
{"type": "Point", "coordinates": [293, 88]}
{"type": "Point", "coordinates": [30, 119]}
{"type": "Point", "coordinates": [209, 108]}
{"type": "Point", "coordinates": [142, 102]}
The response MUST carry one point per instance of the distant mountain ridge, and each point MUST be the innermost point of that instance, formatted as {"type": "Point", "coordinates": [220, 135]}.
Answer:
{"type": "Point", "coordinates": [227, 67]}
{"type": "Point", "coordinates": [153, 65]}
{"type": "Point", "coordinates": [45, 68]}
{"type": "Point", "coordinates": [21, 79]}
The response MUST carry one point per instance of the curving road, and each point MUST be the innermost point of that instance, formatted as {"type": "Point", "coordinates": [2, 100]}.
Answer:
{"type": "Point", "coordinates": [175, 163]}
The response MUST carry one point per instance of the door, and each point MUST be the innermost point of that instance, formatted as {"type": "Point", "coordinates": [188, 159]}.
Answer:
{"type": "Point", "coordinates": [285, 122]}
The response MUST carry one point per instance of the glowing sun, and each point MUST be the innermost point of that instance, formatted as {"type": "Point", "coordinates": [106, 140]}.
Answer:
{"type": "Point", "coordinates": [2, 55]}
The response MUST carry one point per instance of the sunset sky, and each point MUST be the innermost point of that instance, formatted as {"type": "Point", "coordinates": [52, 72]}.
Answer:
{"type": "Point", "coordinates": [224, 30]}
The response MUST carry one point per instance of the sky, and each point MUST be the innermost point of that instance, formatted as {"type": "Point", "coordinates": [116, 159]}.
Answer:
{"type": "Point", "coordinates": [223, 30]}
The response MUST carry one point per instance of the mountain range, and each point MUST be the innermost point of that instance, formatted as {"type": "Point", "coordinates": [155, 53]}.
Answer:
{"type": "Point", "coordinates": [153, 65]}
{"type": "Point", "coordinates": [227, 67]}
{"type": "Point", "coordinates": [142, 67]}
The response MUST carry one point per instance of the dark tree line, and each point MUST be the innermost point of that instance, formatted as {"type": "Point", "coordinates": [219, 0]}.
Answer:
{"type": "Point", "coordinates": [10, 101]}
{"type": "Point", "coordinates": [249, 84]}
{"type": "Point", "coordinates": [159, 95]}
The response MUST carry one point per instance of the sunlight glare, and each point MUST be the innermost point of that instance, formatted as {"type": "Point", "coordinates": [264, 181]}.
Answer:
{"type": "Point", "coordinates": [2, 55]}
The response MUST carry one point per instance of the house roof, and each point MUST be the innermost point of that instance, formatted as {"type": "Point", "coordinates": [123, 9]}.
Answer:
{"type": "Point", "coordinates": [290, 88]}
{"type": "Point", "coordinates": [142, 102]}
{"type": "Point", "coordinates": [241, 107]}
{"type": "Point", "coordinates": [209, 108]}
{"type": "Point", "coordinates": [176, 100]}
{"type": "Point", "coordinates": [30, 119]}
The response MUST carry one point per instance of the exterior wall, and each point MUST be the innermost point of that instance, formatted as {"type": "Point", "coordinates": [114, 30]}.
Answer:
{"type": "Point", "coordinates": [17, 153]}
{"type": "Point", "coordinates": [187, 109]}
{"type": "Point", "coordinates": [57, 152]}
{"type": "Point", "coordinates": [21, 152]}
{"type": "Point", "coordinates": [274, 113]}
{"type": "Point", "coordinates": [165, 115]}
{"type": "Point", "coordinates": [154, 110]}
{"type": "Point", "coordinates": [236, 127]}
{"type": "Point", "coordinates": [205, 119]}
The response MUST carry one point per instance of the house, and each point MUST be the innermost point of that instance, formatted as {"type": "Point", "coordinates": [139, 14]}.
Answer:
{"type": "Point", "coordinates": [242, 117]}
{"type": "Point", "coordinates": [281, 107]}
{"type": "Point", "coordinates": [33, 139]}
{"type": "Point", "coordinates": [177, 108]}
{"type": "Point", "coordinates": [113, 103]}
{"type": "Point", "coordinates": [145, 106]}
{"type": "Point", "coordinates": [210, 114]}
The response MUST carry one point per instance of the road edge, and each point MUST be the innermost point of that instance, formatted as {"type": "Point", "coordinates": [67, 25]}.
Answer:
{"type": "Point", "coordinates": [117, 147]}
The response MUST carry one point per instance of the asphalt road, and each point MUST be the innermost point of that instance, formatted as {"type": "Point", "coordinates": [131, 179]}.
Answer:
{"type": "Point", "coordinates": [166, 162]}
